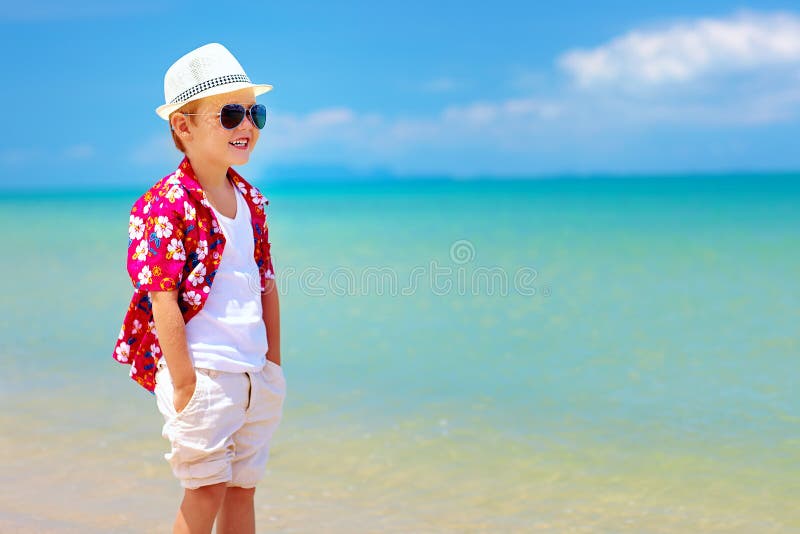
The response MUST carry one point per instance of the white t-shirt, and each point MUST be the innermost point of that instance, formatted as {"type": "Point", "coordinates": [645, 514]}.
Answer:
{"type": "Point", "coordinates": [228, 333]}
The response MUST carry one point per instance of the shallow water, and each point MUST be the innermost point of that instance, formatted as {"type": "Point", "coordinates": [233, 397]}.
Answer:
{"type": "Point", "coordinates": [640, 379]}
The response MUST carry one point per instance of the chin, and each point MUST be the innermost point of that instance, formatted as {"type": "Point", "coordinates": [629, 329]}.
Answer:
{"type": "Point", "coordinates": [240, 159]}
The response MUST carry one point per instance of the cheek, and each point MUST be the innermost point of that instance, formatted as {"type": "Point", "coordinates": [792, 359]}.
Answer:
{"type": "Point", "coordinates": [217, 136]}
{"type": "Point", "coordinates": [208, 134]}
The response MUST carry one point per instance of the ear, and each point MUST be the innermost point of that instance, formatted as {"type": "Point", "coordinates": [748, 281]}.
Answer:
{"type": "Point", "coordinates": [179, 123]}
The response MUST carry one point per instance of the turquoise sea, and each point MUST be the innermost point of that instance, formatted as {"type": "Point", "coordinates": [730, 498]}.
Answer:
{"type": "Point", "coordinates": [570, 355]}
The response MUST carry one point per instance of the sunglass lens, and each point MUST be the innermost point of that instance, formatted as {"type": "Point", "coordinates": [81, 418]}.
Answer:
{"type": "Point", "coordinates": [231, 116]}
{"type": "Point", "coordinates": [259, 114]}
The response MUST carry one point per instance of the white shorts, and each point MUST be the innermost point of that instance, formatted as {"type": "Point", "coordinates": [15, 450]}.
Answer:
{"type": "Point", "coordinates": [224, 432]}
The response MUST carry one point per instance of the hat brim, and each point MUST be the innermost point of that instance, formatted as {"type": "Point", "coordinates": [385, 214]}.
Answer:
{"type": "Point", "coordinates": [165, 110]}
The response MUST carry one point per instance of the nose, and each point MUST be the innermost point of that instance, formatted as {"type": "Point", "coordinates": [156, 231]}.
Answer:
{"type": "Point", "coordinates": [247, 123]}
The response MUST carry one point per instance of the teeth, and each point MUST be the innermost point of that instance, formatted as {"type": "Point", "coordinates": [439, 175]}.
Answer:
{"type": "Point", "coordinates": [239, 143]}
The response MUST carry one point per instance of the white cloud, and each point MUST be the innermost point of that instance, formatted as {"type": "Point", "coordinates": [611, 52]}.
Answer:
{"type": "Point", "coordinates": [519, 108]}
{"type": "Point", "coordinates": [513, 136]}
{"type": "Point", "coordinates": [379, 133]}
{"type": "Point", "coordinates": [450, 139]}
{"type": "Point", "coordinates": [687, 51]}
{"type": "Point", "coordinates": [708, 75]}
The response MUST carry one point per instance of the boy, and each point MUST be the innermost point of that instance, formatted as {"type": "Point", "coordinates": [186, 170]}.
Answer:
{"type": "Point", "coordinates": [197, 329]}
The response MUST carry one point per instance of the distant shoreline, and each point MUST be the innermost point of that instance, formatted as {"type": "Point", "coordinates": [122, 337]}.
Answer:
{"type": "Point", "coordinates": [598, 182]}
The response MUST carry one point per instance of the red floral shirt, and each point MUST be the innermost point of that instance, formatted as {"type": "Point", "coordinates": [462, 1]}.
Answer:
{"type": "Point", "coordinates": [175, 242]}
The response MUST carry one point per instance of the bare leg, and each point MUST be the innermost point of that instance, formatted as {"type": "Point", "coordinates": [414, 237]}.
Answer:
{"type": "Point", "coordinates": [237, 515]}
{"type": "Point", "coordinates": [198, 509]}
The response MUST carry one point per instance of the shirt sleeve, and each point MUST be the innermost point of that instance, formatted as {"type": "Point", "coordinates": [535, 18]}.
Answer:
{"type": "Point", "coordinates": [268, 268]}
{"type": "Point", "coordinates": [156, 252]}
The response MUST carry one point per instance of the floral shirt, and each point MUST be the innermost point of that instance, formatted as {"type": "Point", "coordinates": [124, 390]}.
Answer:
{"type": "Point", "coordinates": [175, 242]}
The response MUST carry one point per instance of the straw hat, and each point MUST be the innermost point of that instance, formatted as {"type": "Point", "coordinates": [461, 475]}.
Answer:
{"type": "Point", "coordinates": [205, 71]}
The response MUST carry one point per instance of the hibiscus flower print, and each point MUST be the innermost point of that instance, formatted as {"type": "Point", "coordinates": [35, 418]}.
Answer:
{"type": "Point", "coordinates": [176, 251]}
{"type": "Point", "coordinates": [123, 352]}
{"type": "Point", "coordinates": [145, 276]}
{"type": "Point", "coordinates": [242, 187]}
{"type": "Point", "coordinates": [189, 213]}
{"type": "Point", "coordinates": [202, 249]}
{"type": "Point", "coordinates": [137, 325]}
{"type": "Point", "coordinates": [141, 251]}
{"type": "Point", "coordinates": [197, 275]}
{"type": "Point", "coordinates": [163, 226]}
{"type": "Point", "coordinates": [175, 192]}
{"type": "Point", "coordinates": [136, 227]}
{"type": "Point", "coordinates": [258, 198]}
{"type": "Point", "coordinates": [192, 298]}
{"type": "Point", "coordinates": [155, 349]}
{"type": "Point", "coordinates": [146, 208]}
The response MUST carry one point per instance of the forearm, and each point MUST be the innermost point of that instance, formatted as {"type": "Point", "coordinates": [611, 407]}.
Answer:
{"type": "Point", "coordinates": [171, 330]}
{"type": "Point", "coordinates": [272, 319]}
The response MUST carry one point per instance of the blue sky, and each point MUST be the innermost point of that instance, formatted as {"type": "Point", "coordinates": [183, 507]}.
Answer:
{"type": "Point", "coordinates": [412, 89]}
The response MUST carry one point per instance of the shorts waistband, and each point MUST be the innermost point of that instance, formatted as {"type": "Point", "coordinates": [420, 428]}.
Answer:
{"type": "Point", "coordinates": [213, 373]}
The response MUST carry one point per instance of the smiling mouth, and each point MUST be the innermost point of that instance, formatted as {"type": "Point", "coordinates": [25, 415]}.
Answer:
{"type": "Point", "coordinates": [240, 143]}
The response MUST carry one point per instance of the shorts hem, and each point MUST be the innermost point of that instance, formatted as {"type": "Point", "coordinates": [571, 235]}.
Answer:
{"type": "Point", "coordinates": [196, 483]}
{"type": "Point", "coordinates": [243, 485]}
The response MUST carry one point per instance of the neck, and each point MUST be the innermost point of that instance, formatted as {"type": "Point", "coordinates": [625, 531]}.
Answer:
{"type": "Point", "coordinates": [210, 175]}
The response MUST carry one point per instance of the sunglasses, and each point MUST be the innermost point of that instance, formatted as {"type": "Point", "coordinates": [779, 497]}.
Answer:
{"type": "Point", "coordinates": [232, 115]}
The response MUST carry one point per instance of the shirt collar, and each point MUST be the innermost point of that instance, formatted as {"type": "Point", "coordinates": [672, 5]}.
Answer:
{"type": "Point", "coordinates": [189, 180]}
{"type": "Point", "coordinates": [192, 185]}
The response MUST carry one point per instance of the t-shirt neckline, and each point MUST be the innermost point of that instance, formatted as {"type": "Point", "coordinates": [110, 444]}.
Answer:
{"type": "Point", "coordinates": [237, 194]}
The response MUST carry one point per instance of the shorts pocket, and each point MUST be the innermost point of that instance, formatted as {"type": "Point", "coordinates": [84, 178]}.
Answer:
{"type": "Point", "coordinates": [196, 398]}
{"type": "Point", "coordinates": [274, 368]}
{"type": "Point", "coordinates": [275, 378]}
{"type": "Point", "coordinates": [165, 395]}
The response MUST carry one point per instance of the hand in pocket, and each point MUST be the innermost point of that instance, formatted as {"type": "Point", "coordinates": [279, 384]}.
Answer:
{"type": "Point", "coordinates": [182, 396]}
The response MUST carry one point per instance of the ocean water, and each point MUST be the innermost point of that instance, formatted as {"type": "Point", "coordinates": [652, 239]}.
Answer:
{"type": "Point", "coordinates": [598, 355]}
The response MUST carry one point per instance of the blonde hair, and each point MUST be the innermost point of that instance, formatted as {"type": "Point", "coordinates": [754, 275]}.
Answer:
{"type": "Point", "coordinates": [189, 107]}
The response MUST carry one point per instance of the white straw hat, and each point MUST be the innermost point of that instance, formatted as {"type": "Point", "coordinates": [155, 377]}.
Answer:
{"type": "Point", "coordinates": [205, 71]}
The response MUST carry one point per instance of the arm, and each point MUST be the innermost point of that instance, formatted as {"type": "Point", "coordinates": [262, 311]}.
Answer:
{"type": "Point", "coordinates": [172, 339]}
{"type": "Point", "coordinates": [272, 319]}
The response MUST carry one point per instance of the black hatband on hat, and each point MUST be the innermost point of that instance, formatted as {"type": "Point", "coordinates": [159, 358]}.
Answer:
{"type": "Point", "coordinates": [208, 84]}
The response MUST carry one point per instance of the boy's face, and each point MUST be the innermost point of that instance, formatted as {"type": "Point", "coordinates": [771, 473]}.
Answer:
{"type": "Point", "coordinates": [210, 142]}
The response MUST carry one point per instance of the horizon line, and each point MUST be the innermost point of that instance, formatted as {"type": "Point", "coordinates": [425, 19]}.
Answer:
{"type": "Point", "coordinates": [91, 188]}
